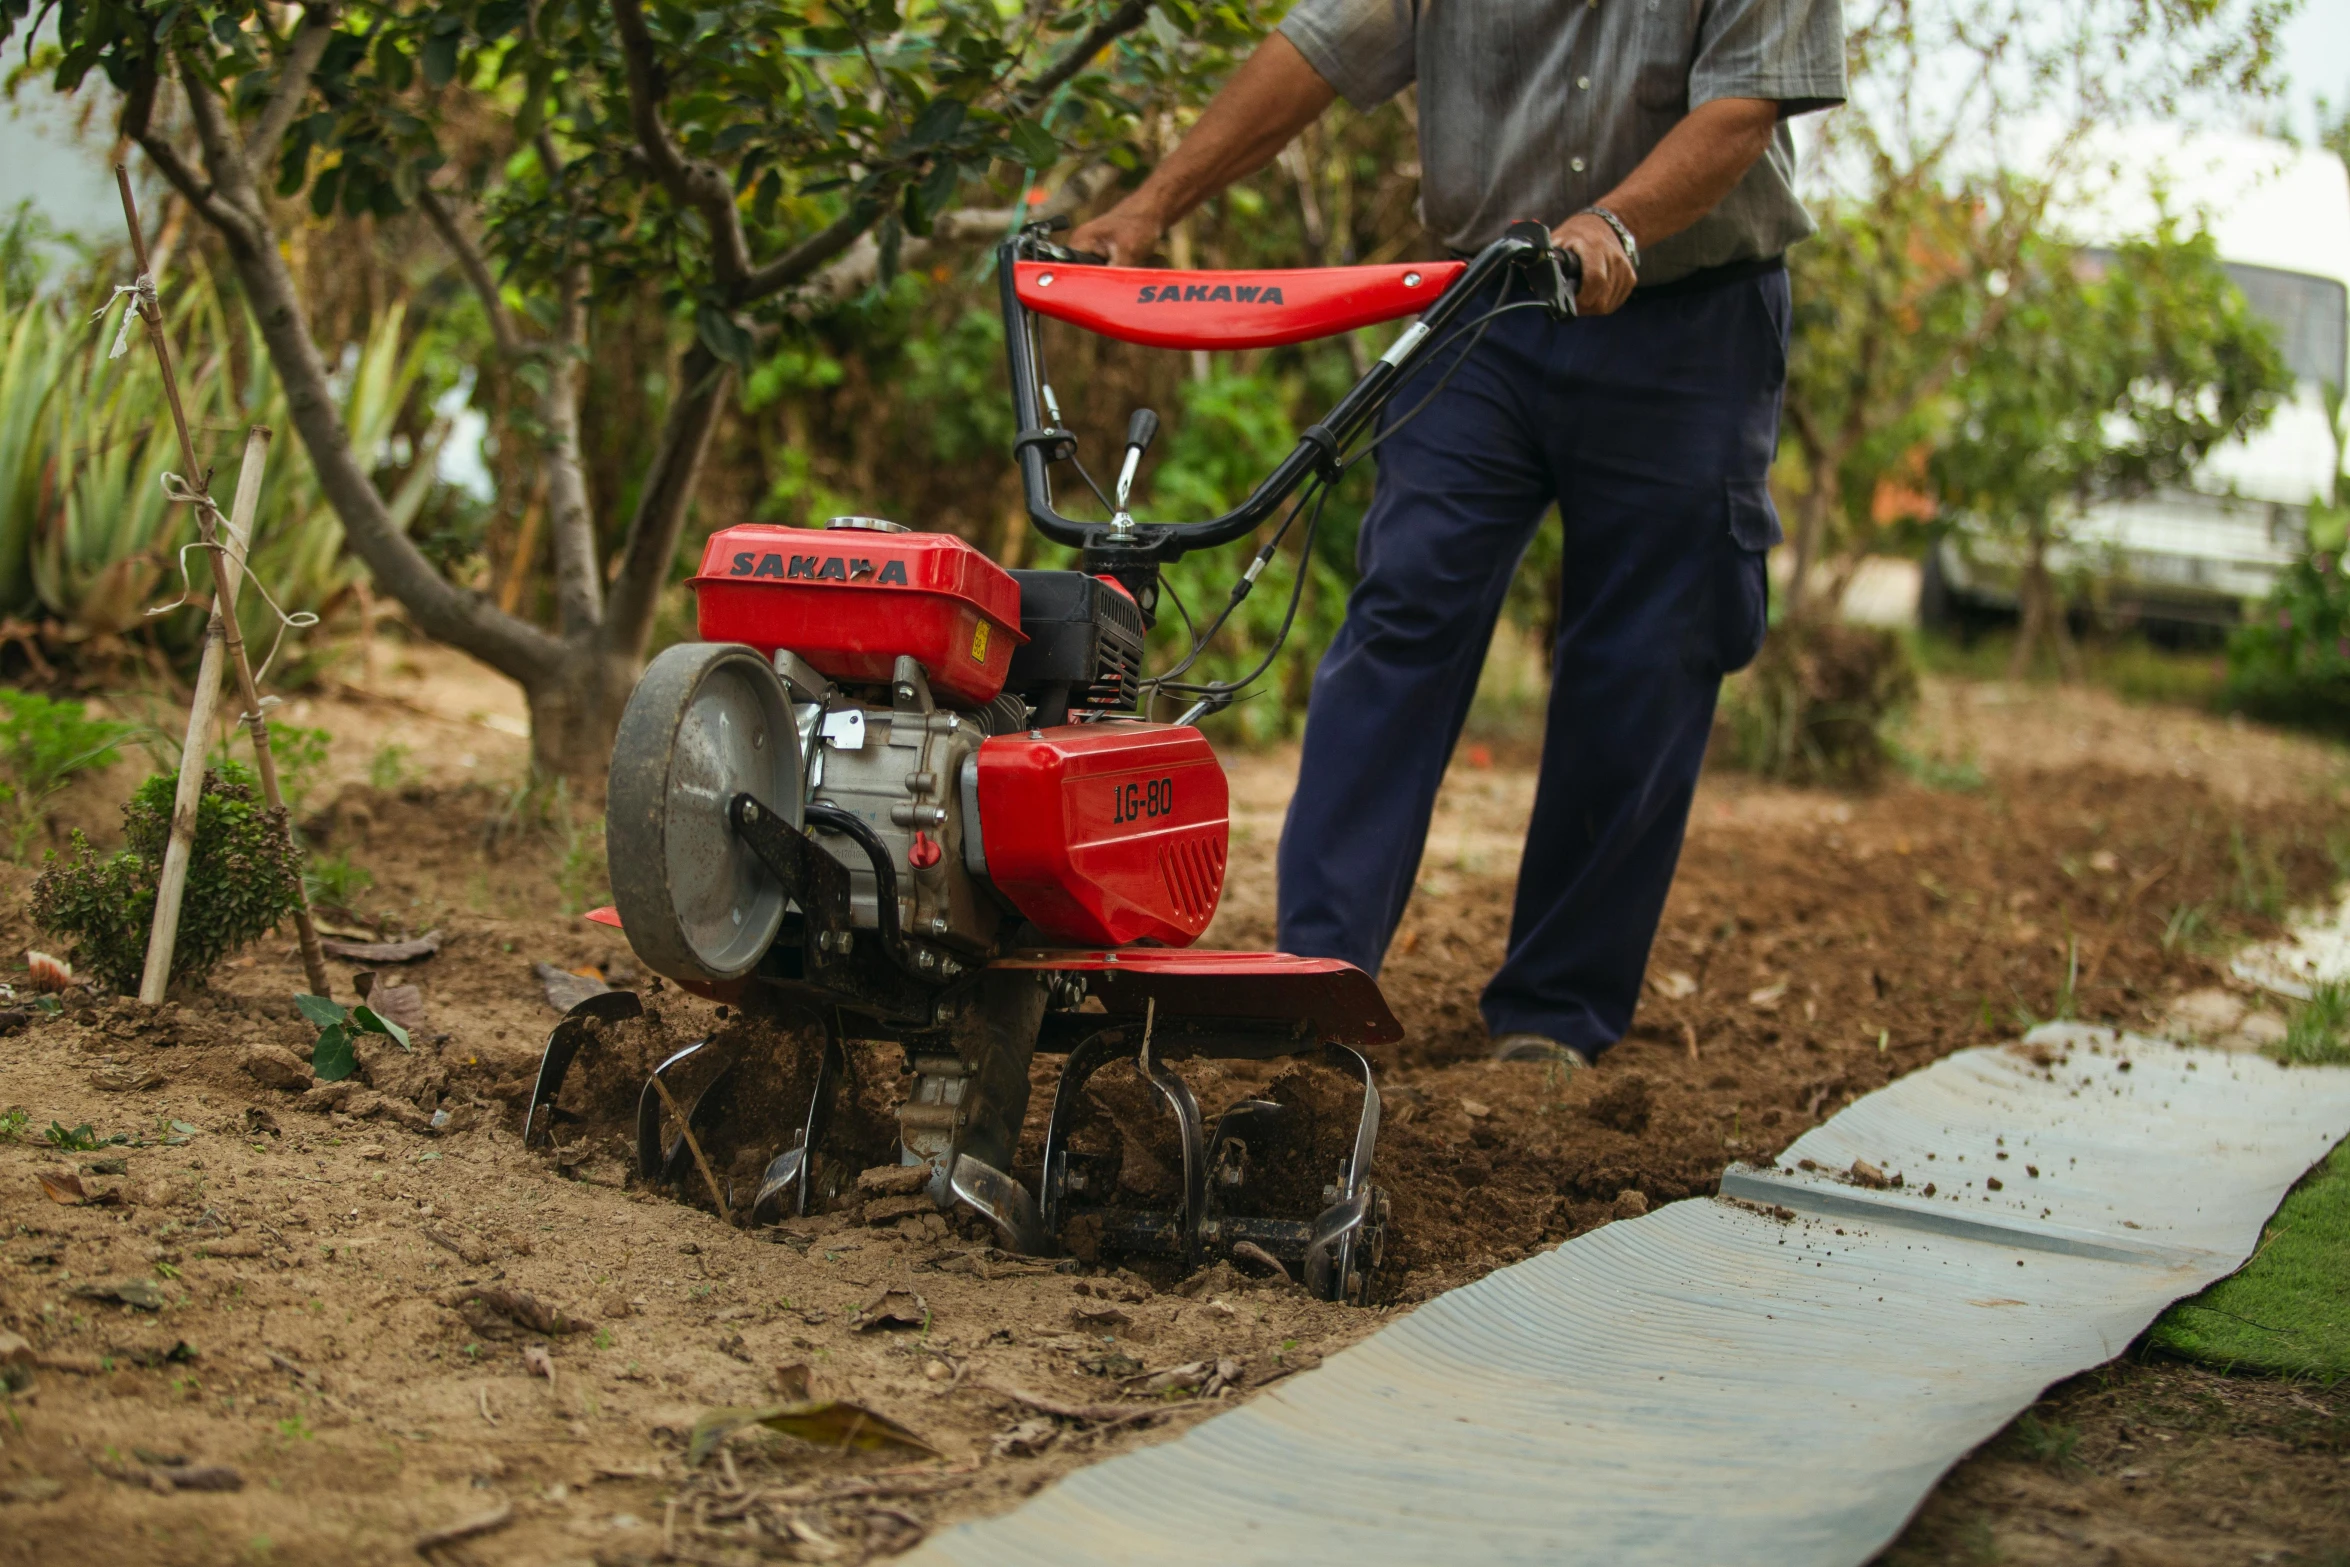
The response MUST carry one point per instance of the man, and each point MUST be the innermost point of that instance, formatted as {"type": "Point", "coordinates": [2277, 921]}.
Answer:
{"type": "Point", "coordinates": [1652, 134]}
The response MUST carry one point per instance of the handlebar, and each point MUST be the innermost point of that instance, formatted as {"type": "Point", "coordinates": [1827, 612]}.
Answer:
{"type": "Point", "coordinates": [1133, 551]}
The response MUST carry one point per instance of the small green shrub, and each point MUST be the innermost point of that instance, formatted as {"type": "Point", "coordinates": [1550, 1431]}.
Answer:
{"type": "Point", "coordinates": [45, 745]}
{"type": "Point", "coordinates": [300, 754]}
{"type": "Point", "coordinates": [334, 881]}
{"type": "Point", "coordinates": [2290, 661]}
{"type": "Point", "coordinates": [2318, 1032]}
{"type": "Point", "coordinates": [333, 1058]}
{"type": "Point", "coordinates": [2048, 1442]}
{"type": "Point", "coordinates": [1815, 705]}
{"type": "Point", "coordinates": [244, 877]}
{"type": "Point", "coordinates": [388, 768]}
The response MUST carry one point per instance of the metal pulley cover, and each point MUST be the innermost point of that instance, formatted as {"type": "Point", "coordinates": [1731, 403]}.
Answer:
{"type": "Point", "coordinates": [708, 721]}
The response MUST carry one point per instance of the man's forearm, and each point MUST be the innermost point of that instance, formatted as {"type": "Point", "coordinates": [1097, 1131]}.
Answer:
{"type": "Point", "coordinates": [1274, 95]}
{"type": "Point", "coordinates": [1676, 184]}
{"type": "Point", "coordinates": [1693, 168]}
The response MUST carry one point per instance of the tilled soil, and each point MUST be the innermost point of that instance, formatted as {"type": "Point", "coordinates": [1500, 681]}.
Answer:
{"type": "Point", "coordinates": [386, 1327]}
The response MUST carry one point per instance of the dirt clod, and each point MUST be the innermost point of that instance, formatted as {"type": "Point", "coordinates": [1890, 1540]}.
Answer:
{"type": "Point", "coordinates": [274, 1066]}
{"type": "Point", "coordinates": [1625, 1104]}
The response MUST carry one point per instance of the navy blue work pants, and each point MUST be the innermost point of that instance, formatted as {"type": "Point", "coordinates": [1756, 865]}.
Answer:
{"type": "Point", "coordinates": [1652, 431]}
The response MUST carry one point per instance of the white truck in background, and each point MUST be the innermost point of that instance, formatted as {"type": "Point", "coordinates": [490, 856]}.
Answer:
{"type": "Point", "coordinates": [2199, 555]}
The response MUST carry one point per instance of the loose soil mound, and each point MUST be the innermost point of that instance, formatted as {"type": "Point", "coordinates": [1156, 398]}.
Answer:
{"type": "Point", "coordinates": [317, 1288]}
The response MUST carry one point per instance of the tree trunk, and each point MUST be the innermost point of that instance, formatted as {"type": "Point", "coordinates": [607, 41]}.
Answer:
{"type": "Point", "coordinates": [1811, 529]}
{"type": "Point", "coordinates": [574, 713]}
{"type": "Point", "coordinates": [2043, 613]}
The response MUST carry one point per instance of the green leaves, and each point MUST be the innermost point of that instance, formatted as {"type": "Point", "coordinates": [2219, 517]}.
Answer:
{"type": "Point", "coordinates": [244, 877]}
{"type": "Point", "coordinates": [1033, 145]}
{"type": "Point", "coordinates": [368, 1021]}
{"type": "Point", "coordinates": [332, 1059]}
{"type": "Point", "coordinates": [335, 1056]}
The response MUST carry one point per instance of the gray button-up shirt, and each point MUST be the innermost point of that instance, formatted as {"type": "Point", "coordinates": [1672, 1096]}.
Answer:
{"type": "Point", "coordinates": [1538, 108]}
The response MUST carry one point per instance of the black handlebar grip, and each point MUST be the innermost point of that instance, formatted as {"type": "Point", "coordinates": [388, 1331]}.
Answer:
{"type": "Point", "coordinates": [1142, 429]}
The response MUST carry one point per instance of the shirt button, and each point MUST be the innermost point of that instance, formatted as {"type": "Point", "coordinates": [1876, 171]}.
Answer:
{"type": "Point", "coordinates": [1583, 83]}
{"type": "Point", "coordinates": [1576, 164]}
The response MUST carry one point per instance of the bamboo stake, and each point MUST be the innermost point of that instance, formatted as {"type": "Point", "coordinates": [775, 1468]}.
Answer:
{"type": "Point", "coordinates": [224, 580]}
{"type": "Point", "coordinates": [171, 886]}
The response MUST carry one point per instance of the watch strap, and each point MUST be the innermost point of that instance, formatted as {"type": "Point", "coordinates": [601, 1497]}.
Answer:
{"type": "Point", "coordinates": [1623, 234]}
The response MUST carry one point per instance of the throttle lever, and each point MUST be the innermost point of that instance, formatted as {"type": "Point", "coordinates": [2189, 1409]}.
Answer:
{"type": "Point", "coordinates": [1141, 430]}
{"type": "Point", "coordinates": [1039, 248]}
{"type": "Point", "coordinates": [1556, 274]}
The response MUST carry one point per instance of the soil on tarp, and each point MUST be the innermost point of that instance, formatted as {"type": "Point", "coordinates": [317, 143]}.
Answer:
{"type": "Point", "coordinates": [294, 1282]}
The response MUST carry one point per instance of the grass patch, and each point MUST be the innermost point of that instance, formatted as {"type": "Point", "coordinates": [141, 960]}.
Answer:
{"type": "Point", "coordinates": [2318, 1034]}
{"type": "Point", "coordinates": [2131, 666]}
{"type": "Point", "coordinates": [2287, 1311]}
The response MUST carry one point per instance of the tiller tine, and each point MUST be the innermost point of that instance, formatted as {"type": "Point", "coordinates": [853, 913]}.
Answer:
{"type": "Point", "coordinates": [1335, 1253]}
{"type": "Point", "coordinates": [668, 1165]}
{"type": "Point", "coordinates": [789, 1176]}
{"type": "Point", "coordinates": [563, 1045]}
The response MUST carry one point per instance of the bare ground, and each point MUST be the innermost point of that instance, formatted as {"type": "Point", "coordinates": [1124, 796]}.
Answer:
{"type": "Point", "coordinates": [329, 1321]}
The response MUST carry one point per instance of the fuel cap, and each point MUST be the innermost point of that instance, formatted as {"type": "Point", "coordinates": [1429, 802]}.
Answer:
{"type": "Point", "coordinates": [866, 525]}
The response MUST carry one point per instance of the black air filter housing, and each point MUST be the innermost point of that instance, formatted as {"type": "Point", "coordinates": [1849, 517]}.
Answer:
{"type": "Point", "coordinates": [1084, 648]}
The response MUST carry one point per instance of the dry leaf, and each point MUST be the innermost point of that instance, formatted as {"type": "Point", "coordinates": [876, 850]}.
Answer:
{"type": "Point", "coordinates": [65, 1188]}
{"type": "Point", "coordinates": [500, 1312]}
{"type": "Point", "coordinates": [892, 1308]}
{"type": "Point", "coordinates": [1027, 1438]}
{"type": "Point", "coordinates": [1767, 997]}
{"type": "Point", "coordinates": [827, 1423]}
{"type": "Point", "coordinates": [1674, 985]}
{"type": "Point", "coordinates": [145, 1294]}
{"type": "Point", "coordinates": [423, 946]}
{"type": "Point", "coordinates": [564, 990]}
{"type": "Point", "coordinates": [795, 1382]}
{"type": "Point", "coordinates": [402, 1004]}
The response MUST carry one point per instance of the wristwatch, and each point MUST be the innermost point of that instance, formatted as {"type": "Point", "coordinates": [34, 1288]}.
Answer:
{"type": "Point", "coordinates": [1631, 245]}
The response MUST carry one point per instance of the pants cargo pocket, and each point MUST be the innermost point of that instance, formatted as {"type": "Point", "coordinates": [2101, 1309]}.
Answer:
{"type": "Point", "coordinates": [1751, 527]}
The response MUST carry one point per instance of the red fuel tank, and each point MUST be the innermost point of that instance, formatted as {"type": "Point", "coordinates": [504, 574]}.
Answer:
{"type": "Point", "coordinates": [1105, 834]}
{"type": "Point", "coordinates": [850, 601]}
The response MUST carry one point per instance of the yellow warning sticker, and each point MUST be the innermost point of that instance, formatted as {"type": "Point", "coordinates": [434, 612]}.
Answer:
{"type": "Point", "coordinates": [979, 644]}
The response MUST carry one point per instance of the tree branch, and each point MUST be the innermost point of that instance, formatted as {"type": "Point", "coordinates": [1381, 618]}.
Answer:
{"type": "Point", "coordinates": [579, 590]}
{"type": "Point", "coordinates": [691, 182]}
{"type": "Point", "coordinates": [805, 257]}
{"type": "Point", "coordinates": [138, 114]}
{"type": "Point", "coordinates": [316, 31]}
{"type": "Point", "coordinates": [1108, 30]}
{"type": "Point", "coordinates": [859, 265]}
{"type": "Point", "coordinates": [835, 238]}
{"type": "Point", "coordinates": [474, 265]}
{"type": "Point", "coordinates": [703, 381]}
{"type": "Point", "coordinates": [441, 611]}
{"type": "Point", "coordinates": [224, 158]}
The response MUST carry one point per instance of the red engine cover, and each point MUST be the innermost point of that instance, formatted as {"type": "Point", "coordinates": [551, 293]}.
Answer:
{"type": "Point", "coordinates": [1105, 834]}
{"type": "Point", "coordinates": [850, 602]}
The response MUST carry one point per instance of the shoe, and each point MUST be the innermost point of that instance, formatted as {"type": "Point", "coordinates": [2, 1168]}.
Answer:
{"type": "Point", "coordinates": [1537, 1047]}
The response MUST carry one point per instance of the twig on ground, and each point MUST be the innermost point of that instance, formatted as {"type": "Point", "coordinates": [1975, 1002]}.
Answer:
{"type": "Point", "coordinates": [694, 1145]}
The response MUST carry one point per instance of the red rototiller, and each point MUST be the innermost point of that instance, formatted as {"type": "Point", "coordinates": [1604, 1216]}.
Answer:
{"type": "Point", "coordinates": [919, 797]}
